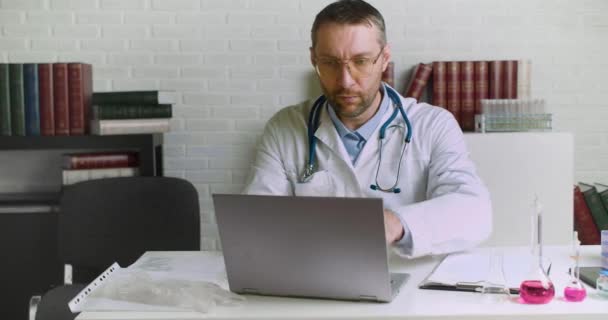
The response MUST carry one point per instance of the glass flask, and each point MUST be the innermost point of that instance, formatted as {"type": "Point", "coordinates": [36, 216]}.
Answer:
{"type": "Point", "coordinates": [575, 291]}
{"type": "Point", "coordinates": [537, 288]}
{"type": "Point", "coordinates": [494, 287]}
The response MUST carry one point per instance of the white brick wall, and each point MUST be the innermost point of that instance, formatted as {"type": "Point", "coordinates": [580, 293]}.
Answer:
{"type": "Point", "coordinates": [235, 62]}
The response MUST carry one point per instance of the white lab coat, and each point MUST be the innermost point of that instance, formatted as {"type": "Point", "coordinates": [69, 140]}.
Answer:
{"type": "Point", "coordinates": [443, 202]}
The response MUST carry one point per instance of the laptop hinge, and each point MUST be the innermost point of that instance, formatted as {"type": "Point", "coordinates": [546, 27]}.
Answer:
{"type": "Point", "coordinates": [250, 291]}
{"type": "Point", "coordinates": [368, 298]}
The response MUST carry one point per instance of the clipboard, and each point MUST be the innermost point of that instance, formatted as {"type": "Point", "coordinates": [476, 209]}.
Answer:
{"type": "Point", "coordinates": [461, 272]}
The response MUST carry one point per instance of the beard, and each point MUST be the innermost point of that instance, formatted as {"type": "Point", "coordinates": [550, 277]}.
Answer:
{"type": "Point", "coordinates": [349, 104]}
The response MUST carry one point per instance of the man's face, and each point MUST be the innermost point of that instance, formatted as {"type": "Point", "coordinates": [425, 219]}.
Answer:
{"type": "Point", "coordinates": [350, 92]}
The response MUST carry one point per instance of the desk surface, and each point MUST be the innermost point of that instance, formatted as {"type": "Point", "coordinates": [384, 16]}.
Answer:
{"type": "Point", "coordinates": [411, 303]}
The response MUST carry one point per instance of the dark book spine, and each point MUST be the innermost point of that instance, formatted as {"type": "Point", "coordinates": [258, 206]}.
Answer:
{"type": "Point", "coordinates": [439, 84]}
{"type": "Point", "coordinates": [467, 95]}
{"type": "Point", "coordinates": [588, 232]}
{"type": "Point", "coordinates": [496, 78]}
{"type": "Point", "coordinates": [481, 84]}
{"type": "Point", "coordinates": [61, 99]}
{"type": "Point", "coordinates": [31, 99]}
{"type": "Point", "coordinates": [45, 84]}
{"type": "Point", "coordinates": [510, 79]}
{"type": "Point", "coordinates": [594, 202]}
{"type": "Point", "coordinates": [5, 101]}
{"type": "Point", "coordinates": [126, 97]}
{"type": "Point", "coordinates": [17, 99]}
{"type": "Point", "coordinates": [419, 79]}
{"type": "Point", "coordinates": [80, 90]}
{"type": "Point", "coordinates": [97, 161]}
{"type": "Point", "coordinates": [105, 112]}
{"type": "Point", "coordinates": [453, 89]}
{"type": "Point", "coordinates": [388, 76]}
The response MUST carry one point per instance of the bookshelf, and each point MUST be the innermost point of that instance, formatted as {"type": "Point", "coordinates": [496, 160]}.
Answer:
{"type": "Point", "coordinates": [28, 220]}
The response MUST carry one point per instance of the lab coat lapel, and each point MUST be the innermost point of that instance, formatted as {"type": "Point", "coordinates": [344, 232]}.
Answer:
{"type": "Point", "coordinates": [328, 135]}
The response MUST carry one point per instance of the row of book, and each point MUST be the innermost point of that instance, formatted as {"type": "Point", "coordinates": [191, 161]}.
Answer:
{"type": "Point", "coordinates": [58, 99]}
{"type": "Point", "coordinates": [77, 167]}
{"type": "Point", "coordinates": [590, 211]}
{"type": "Point", "coordinates": [459, 86]}
{"type": "Point", "coordinates": [45, 98]}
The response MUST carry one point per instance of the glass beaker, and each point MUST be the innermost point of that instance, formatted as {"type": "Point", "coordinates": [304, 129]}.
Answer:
{"type": "Point", "coordinates": [537, 288]}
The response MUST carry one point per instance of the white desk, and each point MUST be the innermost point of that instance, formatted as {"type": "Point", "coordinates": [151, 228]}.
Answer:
{"type": "Point", "coordinates": [411, 303]}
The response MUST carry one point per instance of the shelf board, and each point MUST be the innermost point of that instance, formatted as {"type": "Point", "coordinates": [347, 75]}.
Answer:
{"type": "Point", "coordinates": [88, 141]}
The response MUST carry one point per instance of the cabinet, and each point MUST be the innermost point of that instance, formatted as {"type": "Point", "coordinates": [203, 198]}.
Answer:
{"type": "Point", "coordinates": [30, 183]}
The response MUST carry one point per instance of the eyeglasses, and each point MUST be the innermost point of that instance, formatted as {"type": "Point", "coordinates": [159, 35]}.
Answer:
{"type": "Point", "coordinates": [358, 67]}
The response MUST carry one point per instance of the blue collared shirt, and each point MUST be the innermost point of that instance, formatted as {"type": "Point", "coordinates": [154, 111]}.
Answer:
{"type": "Point", "coordinates": [355, 140]}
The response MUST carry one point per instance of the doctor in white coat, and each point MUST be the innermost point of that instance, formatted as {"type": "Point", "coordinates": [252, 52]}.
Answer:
{"type": "Point", "coordinates": [434, 202]}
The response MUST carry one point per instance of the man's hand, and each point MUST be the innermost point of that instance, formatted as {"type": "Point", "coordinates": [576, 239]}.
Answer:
{"type": "Point", "coordinates": [392, 226]}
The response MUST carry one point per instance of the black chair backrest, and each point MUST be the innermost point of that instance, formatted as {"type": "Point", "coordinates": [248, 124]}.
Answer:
{"type": "Point", "coordinates": [118, 219]}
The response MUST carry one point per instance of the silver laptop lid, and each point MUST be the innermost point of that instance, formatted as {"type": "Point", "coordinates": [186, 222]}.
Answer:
{"type": "Point", "coordinates": [304, 246]}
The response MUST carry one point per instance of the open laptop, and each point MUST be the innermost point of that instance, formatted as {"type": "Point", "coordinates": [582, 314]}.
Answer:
{"type": "Point", "coordinates": [317, 247]}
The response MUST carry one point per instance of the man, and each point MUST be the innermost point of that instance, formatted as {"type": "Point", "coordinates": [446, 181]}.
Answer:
{"type": "Point", "coordinates": [435, 202]}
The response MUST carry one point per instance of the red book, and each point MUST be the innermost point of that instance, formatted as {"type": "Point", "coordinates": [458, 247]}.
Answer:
{"type": "Point", "coordinates": [509, 82]}
{"type": "Point", "coordinates": [80, 84]}
{"type": "Point", "coordinates": [584, 224]}
{"type": "Point", "coordinates": [46, 103]}
{"type": "Point", "coordinates": [60, 99]}
{"type": "Point", "coordinates": [99, 160]}
{"type": "Point", "coordinates": [467, 95]}
{"type": "Point", "coordinates": [388, 76]}
{"type": "Point", "coordinates": [439, 84]}
{"type": "Point", "coordinates": [453, 89]}
{"type": "Point", "coordinates": [418, 81]}
{"type": "Point", "coordinates": [496, 78]}
{"type": "Point", "coordinates": [480, 74]}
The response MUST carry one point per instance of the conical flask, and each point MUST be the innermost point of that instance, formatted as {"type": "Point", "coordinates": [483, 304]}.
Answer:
{"type": "Point", "coordinates": [537, 288]}
{"type": "Point", "coordinates": [575, 291]}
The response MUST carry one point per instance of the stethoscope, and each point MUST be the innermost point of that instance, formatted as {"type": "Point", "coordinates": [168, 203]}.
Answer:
{"type": "Point", "coordinates": [313, 125]}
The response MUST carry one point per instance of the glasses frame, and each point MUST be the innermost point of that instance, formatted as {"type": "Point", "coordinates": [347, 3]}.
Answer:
{"type": "Point", "coordinates": [347, 63]}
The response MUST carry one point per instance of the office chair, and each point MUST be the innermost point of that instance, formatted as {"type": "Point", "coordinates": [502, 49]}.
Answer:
{"type": "Point", "coordinates": [117, 220]}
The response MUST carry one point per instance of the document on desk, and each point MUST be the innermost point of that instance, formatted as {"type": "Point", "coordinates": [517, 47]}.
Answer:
{"type": "Point", "coordinates": [467, 271]}
{"type": "Point", "coordinates": [153, 281]}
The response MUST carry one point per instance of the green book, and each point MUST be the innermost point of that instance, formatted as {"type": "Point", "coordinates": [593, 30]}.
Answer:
{"type": "Point", "coordinates": [5, 101]}
{"type": "Point", "coordinates": [602, 189]}
{"type": "Point", "coordinates": [137, 111]}
{"type": "Point", "coordinates": [595, 204]}
{"type": "Point", "coordinates": [17, 99]}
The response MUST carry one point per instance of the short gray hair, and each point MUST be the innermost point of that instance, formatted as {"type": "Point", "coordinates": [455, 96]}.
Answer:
{"type": "Point", "coordinates": [349, 12]}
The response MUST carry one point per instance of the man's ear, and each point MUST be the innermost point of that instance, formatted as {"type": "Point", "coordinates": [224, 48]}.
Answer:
{"type": "Point", "coordinates": [387, 56]}
{"type": "Point", "coordinates": [312, 56]}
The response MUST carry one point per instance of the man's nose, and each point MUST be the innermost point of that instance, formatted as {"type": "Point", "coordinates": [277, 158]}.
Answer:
{"type": "Point", "coordinates": [345, 77]}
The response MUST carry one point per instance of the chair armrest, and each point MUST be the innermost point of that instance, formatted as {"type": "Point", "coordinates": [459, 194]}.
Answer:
{"type": "Point", "coordinates": [34, 301]}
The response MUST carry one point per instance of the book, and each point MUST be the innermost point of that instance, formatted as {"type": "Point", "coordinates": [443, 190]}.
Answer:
{"type": "Point", "coordinates": [480, 75]}
{"type": "Point", "coordinates": [452, 102]}
{"type": "Point", "coordinates": [588, 232]}
{"type": "Point", "coordinates": [134, 97]}
{"type": "Point", "coordinates": [80, 88]}
{"type": "Point", "coordinates": [17, 99]}
{"type": "Point", "coordinates": [467, 95]}
{"type": "Point", "coordinates": [524, 72]}
{"type": "Point", "coordinates": [45, 85]}
{"type": "Point", "coordinates": [136, 111]}
{"type": "Point", "coordinates": [594, 202]}
{"type": "Point", "coordinates": [31, 99]}
{"type": "Point", "coordinates": [388, 76]}
{"type": "Point", "coordinates": [495, 77]}
{"type": "Point", "coordinates": [439, 84]}
{"type": "Point", "coordinates": [5, 101]}
{"type": "Point", "coordinates": [418, 80]}
{"type": "Point", "coordinates": [124, 159]}
{"type": "Point", "coordinates": [129, 126]}
{"type": "Point", "coordinates": [602, 189]}
{"type": "Point", "coordinates": [509, 82]}
{"type": "Point", "coordinates": [61, 108]}
{"type": "Point", "coordinates": [74, 176]}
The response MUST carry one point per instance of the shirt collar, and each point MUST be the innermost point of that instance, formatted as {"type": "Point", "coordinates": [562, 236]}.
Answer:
{"type": "Point", "coordinates": [367, 128]}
